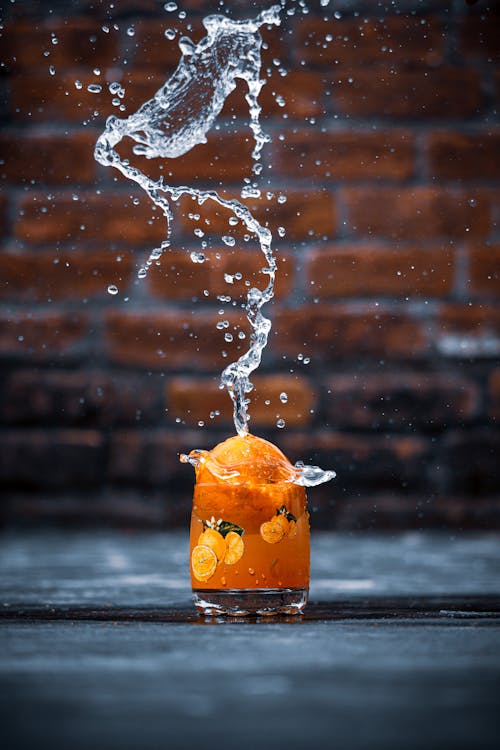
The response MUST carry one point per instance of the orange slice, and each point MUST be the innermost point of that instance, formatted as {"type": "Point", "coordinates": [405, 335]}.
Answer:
{"type": "Point", "coordinates": [203, 562]}
{"type": "Point", "coordinates": [272, 531]}
{"type": "Point", "coordinates": [235, 548]}
{"type": "Point", "coordinates": [245, 458]}
{"type": "Point", "coordinates": [214, 539]}
{"type": "Point", "coordinates": [283, 521]}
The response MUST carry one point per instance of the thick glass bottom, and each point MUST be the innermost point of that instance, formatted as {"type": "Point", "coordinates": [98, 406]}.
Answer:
{"type": "Point", "coordinates": [243, 602]}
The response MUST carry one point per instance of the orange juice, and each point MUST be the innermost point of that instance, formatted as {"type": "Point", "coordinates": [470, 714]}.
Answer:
{"type": "Point", "coordinates": [249, 541]}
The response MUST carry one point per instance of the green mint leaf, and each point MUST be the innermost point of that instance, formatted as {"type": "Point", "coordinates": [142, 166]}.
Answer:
{"type": "Point", "coordinates": [226, 526]}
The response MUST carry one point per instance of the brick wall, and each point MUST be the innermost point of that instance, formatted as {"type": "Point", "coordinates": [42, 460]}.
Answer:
{"type": "Point", "coordinates": [388, 153]}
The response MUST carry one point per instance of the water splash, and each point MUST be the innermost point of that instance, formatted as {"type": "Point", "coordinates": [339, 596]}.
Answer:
{"type": "Point", "coordinates": [283, 470]}
{"type": "Point", "coordinates": [169, 125]}
{"type": "Point", "coordinates": [177, 119]}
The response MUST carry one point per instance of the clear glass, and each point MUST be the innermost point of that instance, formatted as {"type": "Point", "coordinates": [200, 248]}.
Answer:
{"type": "Point", "coordinates": [249, 549]}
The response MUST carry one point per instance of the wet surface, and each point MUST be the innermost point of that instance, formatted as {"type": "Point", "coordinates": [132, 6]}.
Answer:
{"type": "Point", "coordinates": [101, 647]}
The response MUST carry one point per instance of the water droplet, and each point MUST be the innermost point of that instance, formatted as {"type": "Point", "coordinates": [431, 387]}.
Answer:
{"type": "Point", "coordinates": [284, 397]}
{"type": "Point", "coordinates": [228, 278]}
{"type": "Point", "coordinates": [170, 33]}
{"type": "Point", "coordinates": [280, 423]}
{"type": "Point", "coordinates": [52, 70]}
{"type": "Point", "coordinates": [142, 273]}
{"type": "Point", "coordinates": [197, 257]}
{"type": "Point", "coordinates": [78, 85]}
{"type": "Point", "coordinates": [112, 289]}
{"type": "Point", "coordinates": [281, 231]}
{"type": "Point", "coordinates": [130, 31]}
{"type": "Point", "coordinates": [228, 240]}
{"type": "Point", "coordinates": [94, 88]}
{"type": "Point", "coordinates": [170, 7]}
{"type": "Point", "coordinates": [228, 337]}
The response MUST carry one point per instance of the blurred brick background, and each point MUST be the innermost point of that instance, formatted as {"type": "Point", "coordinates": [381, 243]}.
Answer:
{"type": "Point", "coordinates": [388, 153]}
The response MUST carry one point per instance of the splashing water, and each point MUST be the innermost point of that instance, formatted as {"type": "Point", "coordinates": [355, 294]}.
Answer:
{"type": "Point", "coordinates": [176, 120]}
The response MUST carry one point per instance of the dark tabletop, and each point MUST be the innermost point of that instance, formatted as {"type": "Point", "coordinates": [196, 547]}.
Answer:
{"type": "Point", "coordinates": [101, 648]}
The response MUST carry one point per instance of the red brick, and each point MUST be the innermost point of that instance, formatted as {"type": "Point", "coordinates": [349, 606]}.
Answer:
{"type": "Point", "coordinates": [329, 332]}
{"type": "Point", "coordinates": [81, 41]}
{"type": "Point", "coordinates": [494, 394]}
{"type": "Point", "coordinates": [50, 159]}
{"type": "Point", "coordinates": [117, 507]}
{"type": "Point", "coordinates": [368, 41]}
{"type": "Point", "coordinates": [361, 270]}
{"type": "Point", "coordinates": [446, 92]}
{"type": "Point", "coordinates": [468, 330]}
{"type": "Point", "coordinates": [109, 216]}
{"type": "Point", "coordinates": [149, 47]}
{"type": "Point", "coordinates": [479, 34]}
{"type": "Point", "coordinates": [459, 156]}
{"type": "Point", "coordinates": [403, 400]}
{"type": "Point", "coordinates": [361, 461]}
{"type": "Point", "coordinates": [173, 339]}
{"type": "Point", "coordinates": [472, 457]}
{"type": "Point", "coordinates": [416, 212]}
{"type": "Point", "coordinates": [41, 98]}
{"type": "Point", "coordinates": [151, 457]}
{"type": "Point", "coordinates": [81, 398]}
{"type": "Point", "coordinates": [467, 318]}
{"type": "Point", "coordinates": [302, 91]}
{"type": "Point", "coordinates": [225, 158]}
{"type": "Point", "coordinates": [393, 511]}
{"type": "Point", "coordinates": [305, 214]}
{"type": "Point", "coordinates": [179, 278]}
{"type": "Point", "coordinates": [40, 335]}
{"type": "Point", "coordinates": [55, 275]}
{"type": "Point", "coordinates": [484, 269]}
{"type": "Point", "coordinates": [347, 155]}
{"type": "Point", "coordinates": [30, 459]}
{"type": "Point", "coordinates": [194, 399]}
{"type": "Point", "coordinates": [3, 215]}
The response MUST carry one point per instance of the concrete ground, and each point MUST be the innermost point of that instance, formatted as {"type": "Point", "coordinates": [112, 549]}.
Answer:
{"type": "Point", "coordinates": [101, 648]}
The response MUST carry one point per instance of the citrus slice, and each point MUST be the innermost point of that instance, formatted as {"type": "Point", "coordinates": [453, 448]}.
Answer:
{"type": "Point", "coordinates": [214, 539]}
{"type": "Point", "coordinates": [244, 458]}
{"type": "Point", "coordinates": [272, 531]}
{"type": "Point", "coordinates": [203, 562]}
{"type": "Point", "coordinates": [283, 521]}
{"type": "Point", "coordinates": [235, 548]}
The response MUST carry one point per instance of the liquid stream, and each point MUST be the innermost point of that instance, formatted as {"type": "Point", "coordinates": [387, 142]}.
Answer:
{"type": "Point", "coordinates": [173, 122]}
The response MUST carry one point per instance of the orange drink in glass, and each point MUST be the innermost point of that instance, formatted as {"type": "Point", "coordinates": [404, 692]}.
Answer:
{"type": "Point", "coordinates": [249, 540]}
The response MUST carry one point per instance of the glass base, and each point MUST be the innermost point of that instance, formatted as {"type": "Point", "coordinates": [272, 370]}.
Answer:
{"type": "Point", "coordinates": [244, 602]}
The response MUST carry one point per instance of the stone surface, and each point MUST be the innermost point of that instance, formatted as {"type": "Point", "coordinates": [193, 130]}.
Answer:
{"type": "Point", "coordinates": [351, 683]}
